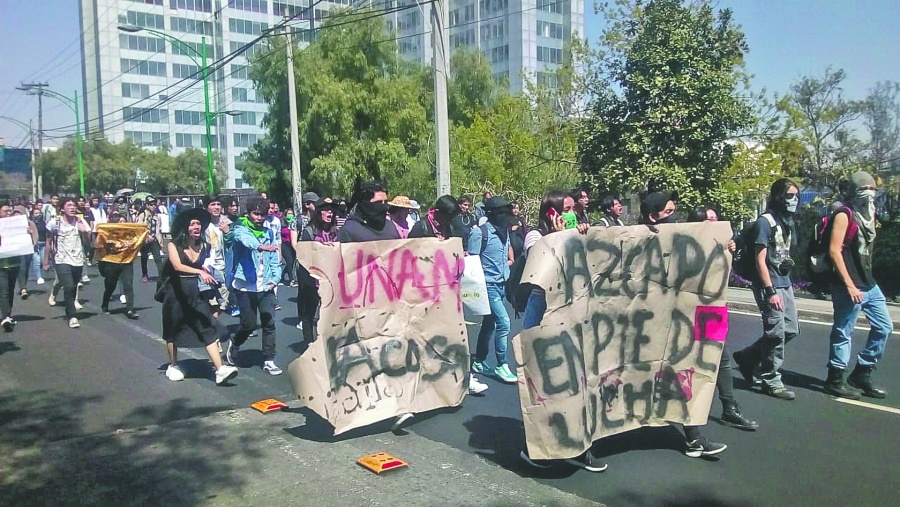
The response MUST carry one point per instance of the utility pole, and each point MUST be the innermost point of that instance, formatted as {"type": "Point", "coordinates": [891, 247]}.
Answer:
{"type": "Point", "coordinates": [295, 134]}
{"type": "Point", "coordinates": [34, 182]}
{"type": "Point", "coordinates": [441, 64]}
{"type": "Point", "coordinates": [38, 89]}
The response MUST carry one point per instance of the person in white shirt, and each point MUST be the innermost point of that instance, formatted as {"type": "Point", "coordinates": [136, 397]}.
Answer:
{"type": "Point", "coordinates": [67, 234]}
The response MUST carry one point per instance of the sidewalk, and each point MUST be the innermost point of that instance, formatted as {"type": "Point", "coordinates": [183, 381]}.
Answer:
{"type": "Point", "coordinates": [808, 307]}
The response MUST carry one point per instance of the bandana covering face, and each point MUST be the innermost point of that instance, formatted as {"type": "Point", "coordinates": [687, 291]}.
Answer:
{"type": "Point", "coordinates": [373, 214]}
{"type": "Point", "coordinates": [258, 231]}
{"type": "Point", "coordinates": [791, 204]}
{"type": "Point", "coordinates": [864, 206]}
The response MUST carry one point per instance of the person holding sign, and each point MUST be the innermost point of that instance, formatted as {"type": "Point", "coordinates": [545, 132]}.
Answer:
{"type": "Point", "coordinates": [65, 236]}
{"type": "Point", "coordinates": [9, 272]}
{"type": "Point", "coordinates": [115, 247]}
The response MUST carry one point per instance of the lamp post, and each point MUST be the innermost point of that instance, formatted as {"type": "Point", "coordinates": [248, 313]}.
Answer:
{"type": "Point", "coordinates": [204, 73]}
{"type": "Point", "coordinates": [72, 102]}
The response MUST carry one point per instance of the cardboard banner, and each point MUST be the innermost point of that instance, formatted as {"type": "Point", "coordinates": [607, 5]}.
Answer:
{"type": "Point", "coordinates": [635, 326]}
{"type": "Point", "coordinates": [14, 238]}
{"type": "Point", "coordinates": [391, 337]}
{"type": "Point", "coordinates": [120, 242]}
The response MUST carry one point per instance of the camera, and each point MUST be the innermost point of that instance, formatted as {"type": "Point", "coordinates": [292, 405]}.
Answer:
{"type": "Point", "coordinates": [785, 266]}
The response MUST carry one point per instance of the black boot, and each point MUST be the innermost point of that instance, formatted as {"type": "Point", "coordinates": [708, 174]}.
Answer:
{"type": "Point", "coordinates": [731, 416]}
{"type": "Point", "coordinates": [835, 386]}
{"type": "Point", "coordinates": [861, 378]}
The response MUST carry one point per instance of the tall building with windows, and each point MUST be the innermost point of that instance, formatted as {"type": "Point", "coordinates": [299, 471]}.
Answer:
{"type": "Point", "coordinates": [144, 83]}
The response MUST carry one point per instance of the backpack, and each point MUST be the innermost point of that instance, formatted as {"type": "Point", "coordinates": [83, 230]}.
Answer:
{"type": "Point", "coordinates": [517, 293]}
{"type": "Point", "coordinates": [820, 265]}
{"type": "Point", "coordinates": [743, 263]}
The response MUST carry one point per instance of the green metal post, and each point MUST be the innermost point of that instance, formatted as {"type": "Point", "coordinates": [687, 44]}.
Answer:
{"type": "Point", "coordinates": [209, 156]}
{"type": "Point", "coordinates": [78, 144]}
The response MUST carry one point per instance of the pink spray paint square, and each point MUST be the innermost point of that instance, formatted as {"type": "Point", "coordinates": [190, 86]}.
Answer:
{"type": "Point", "coordinates": [711, 323]}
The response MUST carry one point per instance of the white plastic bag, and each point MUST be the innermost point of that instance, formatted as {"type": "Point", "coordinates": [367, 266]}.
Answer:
{"type": "Point", "coordinates": [473, 287]}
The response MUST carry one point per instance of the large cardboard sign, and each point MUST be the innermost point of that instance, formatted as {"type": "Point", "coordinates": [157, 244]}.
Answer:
{"type": "Point", "coordinates": [391, 336]}
{"type": "Point", "coordinates": [120, 243]}
{"type": "Point", "coordinates": [14, 238]}
{"type": "Point", "coordinates": [634, 330]}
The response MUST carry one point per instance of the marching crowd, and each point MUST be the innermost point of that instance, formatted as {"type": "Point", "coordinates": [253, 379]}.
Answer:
{"type": "Point", "coordinates": [226, 258]}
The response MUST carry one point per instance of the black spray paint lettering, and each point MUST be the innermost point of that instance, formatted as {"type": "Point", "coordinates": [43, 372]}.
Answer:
{"type": "Point", "coordinates": [558, 353]}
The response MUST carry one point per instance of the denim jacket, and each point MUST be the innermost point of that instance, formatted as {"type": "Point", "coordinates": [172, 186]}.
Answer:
{"type": "Point", "coordinates": [254, 271]}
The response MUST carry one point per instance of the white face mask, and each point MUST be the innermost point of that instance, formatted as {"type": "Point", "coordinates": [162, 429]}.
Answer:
{"type": "Point", "coordinates": [791, 204]}
{"type": "Point", "coordinates": [865, 203]}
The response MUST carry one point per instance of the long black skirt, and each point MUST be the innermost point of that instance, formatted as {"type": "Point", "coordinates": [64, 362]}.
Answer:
{"type": "Point", "coordinates": [187, 315]}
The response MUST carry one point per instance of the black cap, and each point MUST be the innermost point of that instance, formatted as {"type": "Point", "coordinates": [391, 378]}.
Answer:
{"type": "Point", "coordinates": [656, 202]}
{"type": "Point", "coordinates": [496, 203]}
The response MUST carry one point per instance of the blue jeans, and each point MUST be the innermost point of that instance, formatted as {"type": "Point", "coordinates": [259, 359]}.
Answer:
{"type": "Point", "coordinates": [535, 310]}
{"type": "Point", "coordinates": [874, 306]}
{"type": "Point", "coordinates": [36, 270]}
{"type": "Point", "coordinates": [496, 324]}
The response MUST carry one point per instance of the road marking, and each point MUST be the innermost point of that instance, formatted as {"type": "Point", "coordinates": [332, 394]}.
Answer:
{"type": "Point", "coordinates": [806, 321]}
{"type": "Point", "coordinates": [869, 405]}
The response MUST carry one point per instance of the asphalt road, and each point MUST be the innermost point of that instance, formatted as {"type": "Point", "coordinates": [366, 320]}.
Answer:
{"type": "Point", "coordinates": [812, 451]}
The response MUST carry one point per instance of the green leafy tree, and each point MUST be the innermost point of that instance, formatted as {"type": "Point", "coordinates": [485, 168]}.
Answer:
{"type": "Point", "coordinates": [669, 94]}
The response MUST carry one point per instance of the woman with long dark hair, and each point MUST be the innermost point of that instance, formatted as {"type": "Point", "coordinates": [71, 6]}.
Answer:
{"type": "Point", "coordinates": [186, 288]}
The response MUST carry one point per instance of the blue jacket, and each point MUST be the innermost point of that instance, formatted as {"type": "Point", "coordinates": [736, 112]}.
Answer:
{"type": "Point", "coordinates": [254, 271]}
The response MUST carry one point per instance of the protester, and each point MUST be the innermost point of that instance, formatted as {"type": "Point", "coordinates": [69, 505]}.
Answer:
{"type": "Point", "coordinates": [436, 224]}
{"type": "Point", "coordinates": [37, 218]}
{"type": "Point", "coordinates": [491, 242]}
{"type": "Point", "coordinates": [51, 209]}
{"type": "Point", "coordinates": [257, 270]}
{"type": "Point", "coordinates": [186, 291]}
{"type": "Point", "coordinates": [214, 235]}
{"type": "Point", "coordinates": [67, 234]}
{"type": "Point", "coordinates": [517, 231]}
{"type": "Point", "coordinates": [611, 206]}
{"type": "Point", "coordinates": [309, 208]}
{"type": "Point", "coordinates": [114, 273]}
{"type": "Point", "coordinates": [147, 216]}
{"type": "Point", "coordinates": [84, 212]}
{"type": "Point", "coordinates": [287, 248]}
{"type": "Point", "coordinates": [368, 219]}
{"type": "Point", "coordinates": [854, 289]}
{"type": "Point", "coordinates": [120, 206]}
{"type": "Point", "coordinates": [775, 238]}
{"type": "Point", "coordinates": [321, 228]}
{"type": "Point", "coordinates": [480, 207]}
{"type": "Point", "coordinates": [466, 217]}
{"type": "Point", "coordinates": [582, 201]}
{"type": "Point", "coordinates": [273, 223]}
{"type": "Point", "coordinates": [26, 261]}
{"type": "Point", "coordinates": [731, 412]}
{"type": "Point", "coordinates": [9, 272]}
{"type": "Point", "coordinates": [98, 216]}
{"type": "Point", "coordinates": [231, 207]}
{"type": "Point", "coordinates": [398, 211]}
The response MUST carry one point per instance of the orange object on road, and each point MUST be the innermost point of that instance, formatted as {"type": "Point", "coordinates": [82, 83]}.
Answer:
{"type": "Point", "coordinates": [266, 406]}
{"type": "Point", "coordinates": [381, 462]}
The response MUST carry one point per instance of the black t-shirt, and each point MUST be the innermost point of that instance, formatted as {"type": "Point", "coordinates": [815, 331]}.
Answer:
{"type": "Point", "coordinates": [776, 249]}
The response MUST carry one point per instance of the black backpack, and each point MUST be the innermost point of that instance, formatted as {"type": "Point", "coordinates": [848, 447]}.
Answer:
{"type": "Point", "coordinates": [743, 263]}
{"type": "Point", "coordinates": [517, 293]}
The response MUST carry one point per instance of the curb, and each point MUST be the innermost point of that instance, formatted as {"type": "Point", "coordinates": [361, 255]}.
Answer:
{"type": "Point", "coordinates": [823, 317]}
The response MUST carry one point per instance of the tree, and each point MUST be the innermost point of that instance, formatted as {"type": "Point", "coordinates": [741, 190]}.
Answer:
{"type": "Point", "coordinates": [881, 116]}
{"type": "Point", "coordinates": [669, 96]}
{"type": "Point", "coordinates": [817, 113]}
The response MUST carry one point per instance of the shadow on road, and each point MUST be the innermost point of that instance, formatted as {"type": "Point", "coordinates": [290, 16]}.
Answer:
{"type": "Point", "coordinates": [8, 347]}
{"type": "Point", "coordinates": [48, 460]}
{"type": "Point", "coordinates": [802, 381]}
{"type": "Point", "coordinates": [685, 497]}
{"type": "Point", "coordinates": [317, 429]}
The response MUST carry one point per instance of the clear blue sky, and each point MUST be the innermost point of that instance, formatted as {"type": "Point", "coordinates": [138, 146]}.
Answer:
{"type": "Point", "coordinates": [788, 38]}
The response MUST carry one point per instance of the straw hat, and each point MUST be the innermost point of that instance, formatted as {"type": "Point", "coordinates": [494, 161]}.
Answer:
{"type": "Point", "coordinates": [401, 201]}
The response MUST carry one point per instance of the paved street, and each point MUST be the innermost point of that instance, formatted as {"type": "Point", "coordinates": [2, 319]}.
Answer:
{"type": "Point", "coordinates": [87, 417]}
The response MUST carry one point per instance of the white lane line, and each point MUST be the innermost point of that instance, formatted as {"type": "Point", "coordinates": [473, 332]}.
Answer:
{"type": "Point", "coordinates": [805, 321]}
{"type": "Point", "coordinates": [873, 406]}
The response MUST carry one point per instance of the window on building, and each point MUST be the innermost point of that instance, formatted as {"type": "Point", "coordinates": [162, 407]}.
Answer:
{"type": "Point", "coordinates": [500, 53]}
{"type": "Point", "coordinates": [138, 43]}
{"type": "Point", "coordinates": [193, 141]}
{"type": "Point", "coordinates": [549, 55]}
{"type": "Point", "coordinates": [180, 49]}
{"type": "Point", "coordinates": [183, 70]}
{"type": "Point", "coordinates": [554, 6]}
{"type": "Point", "coordinates": [239, 95]}
{"type": "Point", "coordinates": [191, 5]}
{"type": "Point", "coordinates": [549, 29]}
{"type": "Point", "coordinates": [246, 26]}
{"type": "Point", "coordinates": [250, 5]}
{"type": "Point", "coordinates": [143, 67]}
{"type": "Point", "coordinates": [145, 115]}
{"type": "Point", "coordinates": [148, 2]}
{"type": "Point", "coordinates": [240, 71]}
{"type": "Point", "coordinates": [244, 140]}
{"type": "Point", "coordinates": [250, 52]}
{"type": "Point", "coordinates": [145, 138]}
{"type": "Point", "coordinates": [245, 118]}
{"type": "Point", "coordinates": [143, 19]}
{"type": "Point", "coordinates": [189, 117]}
{"type": "Point", "coordinates": [547, 79]}
{"type": "Point", "coordinates": [135, 91]}
{"type": "Point", "coordinates": [185, 25]}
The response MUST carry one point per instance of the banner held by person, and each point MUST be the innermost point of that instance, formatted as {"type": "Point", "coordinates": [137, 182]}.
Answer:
{"type": "Point", "coordinates": [391, 337]}
{"type": "Point", "coordinates": [632, 336]}
{"type": "Point", "coordinates": [121, 242]}
{"type": "Point", "coordinates": [14, 238]}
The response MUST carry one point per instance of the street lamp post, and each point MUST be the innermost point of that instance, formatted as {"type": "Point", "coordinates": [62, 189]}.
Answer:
{"type": "Point", "coordinates": [204, 72]}
{"type": "Point", "coordinates": [72, 102]}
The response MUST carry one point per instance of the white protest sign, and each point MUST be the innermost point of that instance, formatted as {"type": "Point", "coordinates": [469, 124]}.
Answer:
{"type": "Point", "coordinates": [14, 238]}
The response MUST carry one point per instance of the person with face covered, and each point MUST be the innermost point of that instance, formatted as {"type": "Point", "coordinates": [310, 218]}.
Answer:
{"type": "Point", "coordinates": [368, 220]}
{"type": "Point", "coordinates": [854, 290]}
{"type": "Point", "coordinates": [491, 242]}
{"type": "Point", "coordinates": [775, 236]}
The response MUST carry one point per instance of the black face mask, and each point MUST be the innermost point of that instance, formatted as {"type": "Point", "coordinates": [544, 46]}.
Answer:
{"type": "Point", "coordinates": [668, 220]}
{"type": "Point", "coordinates": [502, 219]}
{"type": "Point", "coordinates": [373, 214]}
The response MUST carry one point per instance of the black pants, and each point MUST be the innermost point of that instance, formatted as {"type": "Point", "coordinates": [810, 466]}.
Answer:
{"type": "Point", "coordinates": [148, 248]}
{"type": "Point", "coordinates": [112, 274]}
{"type": "Point", "coordinates": [308, 310]}
{"type": "Point", "coordinates": [287, 251]}
{"type": "Point", "coordinates": [24, 270]}
{"type": "Point", "coordinates": [250, 303]}
{"type": "Point", "coordinates": [69, 276]}
{"type": "Point", "coordinates": [7, 290]}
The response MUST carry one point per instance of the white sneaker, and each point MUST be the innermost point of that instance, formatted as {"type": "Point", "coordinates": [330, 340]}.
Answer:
{"type": "Point", "coordinates": [225, 373]}
{"type": "Point", "coordinates": [476, 386]}
{"type": "Point", "coordinates": [122, 299]}
{"type": "Point", "coordinates": [299, 325]}
{"type": "Point", "coordinates": [79, 306]}
{"type": "Point", "coordinates": [271, 368]}
{"type": "Point", "coordinates": [174, 373]}
{"type": "Point", "coordinates": [73, 323]}
{"type": "Point", "coordinates": [8, 324]}
{"type": "Point", "coordinates": [401, 420]}
{"type": "Point", "coordinates": [51, 300]}
{"type": "Point", "coordinates": [40, 281]}
{"type": "Point", "coordinates": [85, 279]}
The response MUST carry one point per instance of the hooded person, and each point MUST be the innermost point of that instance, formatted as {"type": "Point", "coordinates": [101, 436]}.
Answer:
{"type": "Point", "coordinates": [855, 290]}
{"type": "Point", "coordinates": [368, 220]}
{"type": "Point", "coordinates": [398, 210]}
